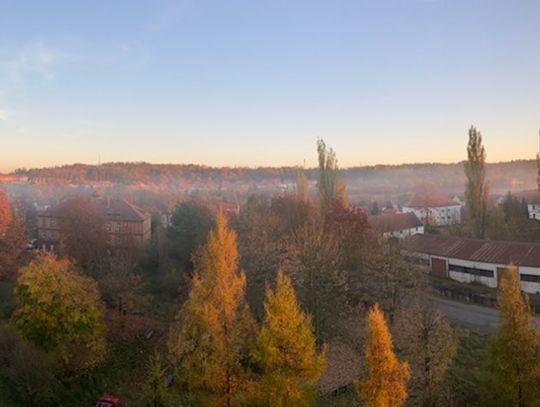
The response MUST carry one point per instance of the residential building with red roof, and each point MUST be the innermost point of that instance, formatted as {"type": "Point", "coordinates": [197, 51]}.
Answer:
{"type": "Point", "coordinates": [124, 222]}
{"type": "Point", "coordinates": [434, 208]}
{"type": "Point", "coordinates": [398, 225]}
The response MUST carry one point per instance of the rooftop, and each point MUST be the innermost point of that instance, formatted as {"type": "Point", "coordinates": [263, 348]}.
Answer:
{"type": "Point", "coordinates": [477, 250]}
{"type": "Point", "coordinates": [110, 208]}
{"type": "Point", "coordinates": [390, 222]}
{"type": "Point", "coordinates": [430, 200]}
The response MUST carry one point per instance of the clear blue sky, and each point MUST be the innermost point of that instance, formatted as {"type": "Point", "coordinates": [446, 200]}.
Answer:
{"type": "Point", "coordinates": [256, 82]}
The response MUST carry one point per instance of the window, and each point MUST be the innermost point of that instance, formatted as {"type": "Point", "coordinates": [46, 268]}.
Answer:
{"type": "Point", "coordinates": [530, 277]}
{"type": "Point", "coordinates": [471, 270]}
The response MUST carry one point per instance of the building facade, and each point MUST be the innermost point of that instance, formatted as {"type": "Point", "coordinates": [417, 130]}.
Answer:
{"type": "Point", "coordinates": [477, 261]}
{"type": "Point", "coordinates": [398, 225]}
{"type": "Point", "coordinates": [434, 209]}
{"type": "Point", "coordinates": [124, 222]}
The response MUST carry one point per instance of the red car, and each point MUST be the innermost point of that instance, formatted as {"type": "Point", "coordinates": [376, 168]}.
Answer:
{"type": "Point", "coordinates": [108, 401]}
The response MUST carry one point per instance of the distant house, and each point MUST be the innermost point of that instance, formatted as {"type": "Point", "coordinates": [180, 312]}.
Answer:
{"type": "Point", "coordinates": [476, 260]}
{"type": "Point", "coordinates": [398, 225]}
{"type": "Point", "coordinates": [532, 198]}
{"type": "Point", "coordinates": [434, 209]}
{"type": "Point", "coordinates": [124, 222]}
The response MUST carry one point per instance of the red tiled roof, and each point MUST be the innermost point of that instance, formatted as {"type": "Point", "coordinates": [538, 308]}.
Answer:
{"type": "Point", "coordinates": [110, 208]}
{"type": "Point", "coordinates": [430, 200]}
{"type": "Point", "coordinates": [485, 251]}
{"type": "Point", "coordinates": [391, 222]}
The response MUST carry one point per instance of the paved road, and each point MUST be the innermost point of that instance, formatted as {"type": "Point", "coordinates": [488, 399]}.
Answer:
{"type": "Point", "coordinates": [471, 316]}
{"type": "Point", "coordinates": [468, 315]}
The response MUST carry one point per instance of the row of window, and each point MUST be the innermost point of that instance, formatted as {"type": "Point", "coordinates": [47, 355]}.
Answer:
{"type": "Point", "coordinates": [471, 270]}
{"type": "Point", "coordinates": [533, 278]}
{"type": "Point", "coordinates": [529, 277]}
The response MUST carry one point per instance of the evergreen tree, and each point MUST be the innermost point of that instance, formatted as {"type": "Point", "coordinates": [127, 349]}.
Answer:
{"type": "Point", "coordinates": [286, 349]}
{"type": "Point", "coordinates": [385, 384]}
{"type": "Point", "coordinates": [211, 339]}
{"type": "Point", "coordinates": [514, 363]}
{"type": "Point", "coordinates": [476, 192]}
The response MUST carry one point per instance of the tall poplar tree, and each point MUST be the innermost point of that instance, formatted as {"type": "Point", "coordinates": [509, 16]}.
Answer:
{"type": "Point", "coordinates": [286, 350]}
{"type": "Point", "coordinates": [331, 188]}
{"type": "Point", "coordinates": [385, 384]}
{"type": "Point", "coordinates": [209, 342]}
{"type": "Point", "coordinates": [514, 363]}
{"type": "Point", "coordinates": [476, 191]}
{"type": "Point", "coordinates": [538, 167]}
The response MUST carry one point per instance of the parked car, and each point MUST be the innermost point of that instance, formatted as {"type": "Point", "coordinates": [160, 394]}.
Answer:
{"type": "Point", "coordinates": [108, 401]}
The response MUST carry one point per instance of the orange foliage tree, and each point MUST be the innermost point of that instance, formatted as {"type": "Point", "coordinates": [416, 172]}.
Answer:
{"type": "Point", "coordinates": [12, 238]}
{"type": "Point", "coordinates": [385, 384]}
{"type": "Point", "coordinates": [286, 349]}
{"type": "Point", "coordinates": [210, 341]}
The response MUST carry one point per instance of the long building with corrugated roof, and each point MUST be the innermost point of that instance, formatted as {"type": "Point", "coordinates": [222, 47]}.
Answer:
{"type": "Point", "coordinates": [475, 260]}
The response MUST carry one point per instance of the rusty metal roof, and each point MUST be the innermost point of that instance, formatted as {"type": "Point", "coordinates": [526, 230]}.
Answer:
{"type": "Point", "coordinates": [477, 250]}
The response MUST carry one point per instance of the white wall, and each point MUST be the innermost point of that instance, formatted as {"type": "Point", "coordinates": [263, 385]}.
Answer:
{"type": "Point", "coordinates": [527, 286]}
{"type": "Point", "coordinates": [472, 278]}
{"type": "Point", "coordinates": [440, 216]}
{"type": "Point", "coordinates": [400, 234]}
{"type": "Point", "coordinates": [534, 211]}
{"type": "Point", "coordinates": [530, 286]}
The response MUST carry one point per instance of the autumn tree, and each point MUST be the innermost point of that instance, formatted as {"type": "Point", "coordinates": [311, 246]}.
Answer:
{"type": "Point", "coordinates": [285, 349]}
{"type": "Point", "coordinates": [190, 224]}
{"type": "Point", "coordinates": [385, 384]}
{"type": "Point", "coordinates": [5, 213]}
{"type": "Point", "coordinates": [538, 168]}
{"type": "Point", "coordinates": [329, 185]}
{"type": "Point", "coordinates": [155, 392]}
{"type": "Point", "coordinates": [82, 234]}
{"type": "Point", "coordinates": [312, 259]}
{"type": "Point", "coordinates": [390, 279]}
{"type": "Point", "coordinates": [121, 282]}
{"type": "Point", "coordinates": [60, 311]}
{"type": "Point", "coordinates": [12, 238]}
{"type": "Point", "coordinates": [514, 363]}
{"type": "Point", "coordinates": [12, 243]}
{"type": "Point", "coordinates": [476, 192]}
{"type": "Point", "coordinates": [302, 188]}
{"type": "Point", "coordinates": [28, 374]}
{"type": "Point", "coordinates": [427, 341]}
{"type": "Point", "coordinates": [209, 341]}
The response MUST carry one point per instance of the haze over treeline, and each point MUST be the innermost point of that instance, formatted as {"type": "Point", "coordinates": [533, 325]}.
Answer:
{"type": "Point", "coordinates": [373, 180]}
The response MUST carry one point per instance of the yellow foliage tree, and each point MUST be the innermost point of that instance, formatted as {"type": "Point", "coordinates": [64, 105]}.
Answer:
{"type": "Point", "coordinates": [385, 384]}
{"type": "Point", "coordinates": [286, 349]}
{"type": "Point", "coordinates": [60, 311]}
{"type": "Point", "coordinates": [514, 363]}
{"type": "Point", "coordinates": [211, 338]}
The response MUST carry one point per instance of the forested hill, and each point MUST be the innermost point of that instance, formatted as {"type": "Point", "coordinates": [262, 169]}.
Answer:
{"type": "Point", "coordinates": [503, 176]}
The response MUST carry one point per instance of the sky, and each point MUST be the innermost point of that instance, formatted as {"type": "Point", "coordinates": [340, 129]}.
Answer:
{"type": "Point", "coordinates": [249, 83]}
